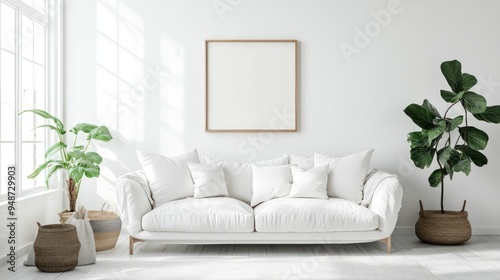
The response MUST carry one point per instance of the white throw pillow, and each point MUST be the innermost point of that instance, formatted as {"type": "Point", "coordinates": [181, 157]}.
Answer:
{"type": "Point", "coordinates": [270, 182]}
{"type": "Point", "coordinates": [302, 162]}
{"type": "Point", "coordinates": [309, 183]}
{"type": "Point", "coordinates": [208, 180]}
{"type": "Point", "coordinates": [239, 175]}
{"type": "Point", "coordinates": [345, 174]}
{"type": "Point", "coordinates": [169, 177]}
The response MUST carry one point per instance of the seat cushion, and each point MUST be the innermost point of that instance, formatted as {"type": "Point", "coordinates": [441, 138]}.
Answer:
{"type": "Point", "coordinates": [313, 215]}
{"type": "Point", "coordinates": [214, 214]}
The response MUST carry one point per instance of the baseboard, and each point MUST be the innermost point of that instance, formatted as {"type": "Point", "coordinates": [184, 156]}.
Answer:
{"type": "Point", "coordinates": [475, 231]}
{"type": "Point", "coordinates": [19, 253]}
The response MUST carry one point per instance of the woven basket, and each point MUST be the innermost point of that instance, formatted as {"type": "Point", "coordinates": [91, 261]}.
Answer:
{"type": "Point", "coordinates": [56, 248]}
{"type": "Point", "coordinates": [450, 228]}
{"type": "Point", "coordinates": [106, 226]}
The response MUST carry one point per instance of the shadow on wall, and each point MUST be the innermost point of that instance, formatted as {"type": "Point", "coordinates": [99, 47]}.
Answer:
{"type": "Point", "coordinates": [140, 90]}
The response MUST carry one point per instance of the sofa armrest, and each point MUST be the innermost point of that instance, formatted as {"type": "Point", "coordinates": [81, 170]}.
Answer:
{"type": "Point", "coordinates": [383, 196]}
{"type": "Point", "coordinates": [134, 200]}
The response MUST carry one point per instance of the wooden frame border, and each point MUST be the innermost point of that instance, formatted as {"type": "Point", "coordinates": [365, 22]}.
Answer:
{"type": "Point", "coordinates": [295, 125]}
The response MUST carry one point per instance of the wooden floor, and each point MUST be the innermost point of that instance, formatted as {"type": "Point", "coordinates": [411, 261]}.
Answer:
{"type": "Point", "coordinates": [411, 259]}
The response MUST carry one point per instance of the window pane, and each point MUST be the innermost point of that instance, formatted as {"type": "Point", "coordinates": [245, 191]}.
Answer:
{"type": "Point", "coordinates": [39, 43]}
{"type": "Point", "coordinates": [39, 87]}
{"type": "Point", "coordinates": [7, 158]}
{"type": "Point", "coordinates": [27, 35]}
{"type": "Point", "coordinates": [39, 101]}
{"type": "Point", "coordinates": [29, 2]}
{"type": "Point", "coordinates": [7, 97]}
{"type": "Point", "coordinates": [40, 5]}
{"type": "Point", "coordinates": [8, 27]}
{"type": "Point", "coordinates": [27, 101]}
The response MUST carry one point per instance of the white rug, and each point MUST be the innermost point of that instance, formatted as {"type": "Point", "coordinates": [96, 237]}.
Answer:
{"type": "Point", "coordinates": [359, 267]}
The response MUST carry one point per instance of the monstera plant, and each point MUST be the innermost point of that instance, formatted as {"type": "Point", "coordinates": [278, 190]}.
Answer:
{"type": "Point", "coordinates": [72, 157]}
{"type": "Point", "coordinates": [451, 141]}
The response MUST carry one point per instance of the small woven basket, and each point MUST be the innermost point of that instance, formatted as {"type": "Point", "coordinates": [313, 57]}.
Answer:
{"type": "Point", "coordinates": [106, 226]}
{"type": "Point", "coordinates": [450, 228]}
{"type": "Point", "coordinates": [56, 248]}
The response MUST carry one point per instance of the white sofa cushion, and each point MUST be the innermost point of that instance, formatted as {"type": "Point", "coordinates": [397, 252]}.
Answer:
{"type": "Point", "coordinates": [270, 182]}
{"type": "Point", "coordinates": [208, 180]}
{"type": "Point", "coordinates": [215, 214]}
{"type": "Point", "coordinates": [309, 183]}
{"type": "Point", "coordinates": [346, 174]}
{"type": "Point", "coordinates": [313, 215]}
{"type": "Point", "coordinates": [302, 162]}
{"type": "Point", "coordinates": [168, 177]}
{"type": "Point", "coordinates": [239, 175]}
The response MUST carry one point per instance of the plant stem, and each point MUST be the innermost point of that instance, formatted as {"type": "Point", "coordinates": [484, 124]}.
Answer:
{"type": "Point", "coordinates": [88, 143]}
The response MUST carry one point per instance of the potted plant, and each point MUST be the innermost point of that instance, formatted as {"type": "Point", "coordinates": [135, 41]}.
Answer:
{"type": "Point", "coordinates": [453, 143]}
{"type": "Point", "coordinates": [72, 157]}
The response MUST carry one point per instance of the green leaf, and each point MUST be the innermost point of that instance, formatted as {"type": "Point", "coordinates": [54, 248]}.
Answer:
{"type": "Point", "coordinates": [444, 155]}
{"type": "Point", "coordinates": [52, 170]}
{"type": "Point", "coordinates": [436, 177]}
{"type": "Point", "coordinates": [418, 139]}
{"type": "Point", "coordinates": [478, 158]}
{"type": "Point", "coordinates": [94, 157]}
{"type": "Point", "coordinates": [79, 147]}
{"type": "Point", "coordinates": [100, 133]}
{"type": "Point", "coordinates": [59, 128]}
{"type": "Point", "coordinates": [420, 116]}
{"type": "Point", "coordinates": [54, 149]}
{"type": "Point", "coordinates": [75, 155]}
{"type": "Point", "coordinates": [85, 127]}
{"type": "Point", "coordinates": [475, 138]}
{"type": "Point", "coordinates": [48, 126]}
{"type": "Point", "coordinates": [474, 102]}
{"type": "Point", "coordinates": [452, 71]}
{"type": "Point", "coordinates": [38, 112]}
{"type": "Point", "coordinates": [451, 97]}
{"type": "Point", "coordinates": [76, 173]}
{"type": "Point", "coordinates": [59, 125]}
{"type": "Point", "coordinates": [40, 169]}
{"type": "Point", "coordinates": [468, 81]}
{"type": "Point", "coordinates": [427, 105]}
{"type": "Point", "coordinates": [436, 131]}
{"type": "Point", "coordinates": [92, 172]}
{"type": "Point", "coordinates": [422, 157]}
{"type": "Point", "coordinates": [454, 123]}
{"type": "Point", "coordinates": [491, 114]}
{"type": "Point", "coordinates": [463, 166]}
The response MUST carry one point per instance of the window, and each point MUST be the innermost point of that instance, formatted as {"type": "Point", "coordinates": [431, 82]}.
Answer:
{"type": "Point", "coordinates": [25, 77]}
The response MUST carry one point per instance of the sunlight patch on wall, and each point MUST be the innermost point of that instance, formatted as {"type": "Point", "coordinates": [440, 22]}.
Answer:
{"type": "Point", "coordinates": [173, 95]}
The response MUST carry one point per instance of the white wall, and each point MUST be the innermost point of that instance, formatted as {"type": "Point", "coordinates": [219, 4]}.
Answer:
{"type": "Point", "coordinates": [138, 66]}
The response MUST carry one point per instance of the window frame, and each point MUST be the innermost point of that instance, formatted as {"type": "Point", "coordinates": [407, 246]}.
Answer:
{"type": "Point", "coordinates": [51, 21]}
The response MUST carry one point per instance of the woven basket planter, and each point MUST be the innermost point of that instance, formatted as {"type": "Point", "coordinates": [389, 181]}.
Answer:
{"type": "Point", "coordinates": [56, 248]}
{"type": "Point", "coordinates": [105, 225]}
{"type": "Point", "coordinates": [450, 228]}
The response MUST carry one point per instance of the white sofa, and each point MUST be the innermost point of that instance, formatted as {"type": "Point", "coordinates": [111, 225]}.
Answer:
{"type": "Point", "coordinates": [285, 220]}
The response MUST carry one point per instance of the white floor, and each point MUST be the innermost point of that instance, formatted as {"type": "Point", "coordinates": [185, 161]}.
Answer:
{"type": "Point", "coordinates": [411, 259]}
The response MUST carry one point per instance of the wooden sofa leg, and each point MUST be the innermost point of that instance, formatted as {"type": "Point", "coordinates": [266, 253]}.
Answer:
{"type": "Point", "coordinates": [388, 242]}
{"type": "Point", "coordinates": [131, 242]}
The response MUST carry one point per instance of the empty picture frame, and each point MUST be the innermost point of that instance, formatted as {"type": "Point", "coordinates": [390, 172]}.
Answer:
{"type": "Point", "coordinates": [251, 85]}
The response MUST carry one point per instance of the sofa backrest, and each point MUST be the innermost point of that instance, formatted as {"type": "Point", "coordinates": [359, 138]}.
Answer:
{"type": "Point", "coordinates": [238, 175]}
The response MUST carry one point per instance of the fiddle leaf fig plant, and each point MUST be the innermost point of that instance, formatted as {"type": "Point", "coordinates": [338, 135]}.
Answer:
{"type": "Point", "coordinates": [72, 157]}
{"type": "Point", "coordinates": [450, 140]}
